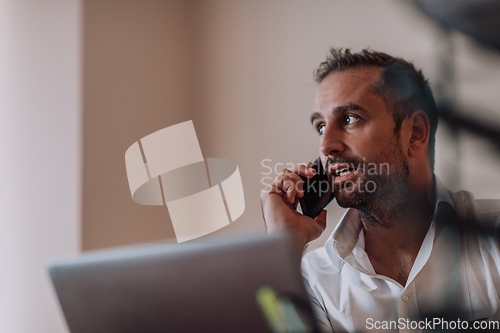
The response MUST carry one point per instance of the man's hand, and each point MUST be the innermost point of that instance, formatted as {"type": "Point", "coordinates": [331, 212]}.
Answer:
{"type": "Point", "coordinates": [279, 202]}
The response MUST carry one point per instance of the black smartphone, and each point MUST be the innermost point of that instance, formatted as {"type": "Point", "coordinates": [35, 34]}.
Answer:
{"type": "Point", "coordinates": [318, 191]}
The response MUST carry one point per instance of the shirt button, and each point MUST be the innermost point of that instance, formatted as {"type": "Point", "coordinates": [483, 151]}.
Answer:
{"type": "Point", "coordinates": [404, 298]}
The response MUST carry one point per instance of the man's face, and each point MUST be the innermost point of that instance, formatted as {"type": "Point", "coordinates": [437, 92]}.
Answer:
{"type": "Point", "coordinates": [360, 151]}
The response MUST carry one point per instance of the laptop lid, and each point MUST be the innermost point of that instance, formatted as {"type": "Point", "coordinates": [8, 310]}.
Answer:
{"type": "Point", "coordinates": [250, 284]}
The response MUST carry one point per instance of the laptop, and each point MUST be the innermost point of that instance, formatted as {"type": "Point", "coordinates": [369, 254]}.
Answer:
{"type": "Point", "coordinates": [246, 284]}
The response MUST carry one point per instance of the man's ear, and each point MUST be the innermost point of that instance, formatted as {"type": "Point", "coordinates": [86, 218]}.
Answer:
{"type": "Point", "coordinates": [420, 132]}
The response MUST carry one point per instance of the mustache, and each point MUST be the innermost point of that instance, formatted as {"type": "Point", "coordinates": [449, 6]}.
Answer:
{"type": "Point", "coordinates": [343, 160]}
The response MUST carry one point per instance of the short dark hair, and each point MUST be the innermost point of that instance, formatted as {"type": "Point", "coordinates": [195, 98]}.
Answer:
{"type": "Point", "coordinates": [403, 87]}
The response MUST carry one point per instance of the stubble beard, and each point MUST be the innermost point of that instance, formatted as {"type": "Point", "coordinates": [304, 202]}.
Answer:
{"type": "Point", "coordinates": [380, 193]}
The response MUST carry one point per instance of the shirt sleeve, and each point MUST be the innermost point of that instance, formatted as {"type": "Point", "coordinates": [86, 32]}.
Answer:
{"type": "Point", "coordinates": [319, 312]}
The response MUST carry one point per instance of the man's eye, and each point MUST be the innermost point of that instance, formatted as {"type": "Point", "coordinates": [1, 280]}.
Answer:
{"type": "Point", "coordinates": [321, 129]}
{"type": "Point", "coordinates": [350, 119]}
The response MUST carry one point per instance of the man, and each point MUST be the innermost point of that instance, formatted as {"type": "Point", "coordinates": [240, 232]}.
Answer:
{"type": "Point", "coordinates": [408, 252]}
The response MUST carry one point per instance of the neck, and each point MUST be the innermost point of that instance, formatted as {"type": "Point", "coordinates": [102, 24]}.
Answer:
{"type": "Point", "coordinates": [394, 234]}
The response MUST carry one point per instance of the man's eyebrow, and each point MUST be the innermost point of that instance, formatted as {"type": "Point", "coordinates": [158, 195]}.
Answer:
{"type": "Point", "coordinates": [349, 107]}
{"type": "Point", "coordinates": [314, 116]}
{"type": "Point", "coordinates": [338, 109]}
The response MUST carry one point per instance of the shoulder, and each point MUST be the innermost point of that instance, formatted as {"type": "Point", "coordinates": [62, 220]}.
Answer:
{"type": "Point", "coordinates": [484, 212]}
{"type": "Point", "coordinates": [467, 200]}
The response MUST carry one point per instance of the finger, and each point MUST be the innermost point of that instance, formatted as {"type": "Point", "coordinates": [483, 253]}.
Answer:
{"type": "Point", "coordinates": [291, 189]}
{"type": "Point", "coordinates": [283, 186]}
{"type": "Point", "coordinates": [291, 183]}
{"type": "Point", "coordinates": [287, 175]}
{"type": "Point", "coordinates": [304, 170]}
{"type": "Point", "coordinates": [272, 188]}
{"type": "Point", "coordinates": [277, 190]}
{"type": "Point", "coordinates": [298, 181]}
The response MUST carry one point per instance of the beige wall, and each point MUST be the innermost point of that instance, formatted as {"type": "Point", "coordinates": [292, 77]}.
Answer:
{"type": "Point", "coordinates": [136, 81]}
{"type": "Point", "coordinates": [241, 70]}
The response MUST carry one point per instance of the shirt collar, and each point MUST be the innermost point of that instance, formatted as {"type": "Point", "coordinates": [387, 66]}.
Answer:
{"type": "Point", "coordinates": [442, 193]}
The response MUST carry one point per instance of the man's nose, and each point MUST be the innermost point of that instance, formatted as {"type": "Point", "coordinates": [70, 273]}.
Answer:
{"type": "Point", "coordinates": [332, 143]}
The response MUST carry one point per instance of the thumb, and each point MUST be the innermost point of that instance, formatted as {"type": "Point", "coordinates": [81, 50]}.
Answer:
{"type": "Point", "coordinates": [321, 219]}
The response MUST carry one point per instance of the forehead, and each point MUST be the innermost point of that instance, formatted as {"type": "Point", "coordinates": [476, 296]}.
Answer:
{"type": "Point", "coordinates": [353, 86]}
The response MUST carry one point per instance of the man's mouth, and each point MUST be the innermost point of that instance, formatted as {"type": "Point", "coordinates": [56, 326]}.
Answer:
{"type": "Point", "coordinates": [342, 173]}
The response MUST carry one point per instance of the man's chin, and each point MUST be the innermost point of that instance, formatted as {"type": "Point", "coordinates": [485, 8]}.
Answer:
{"type": "Point", "coordinates": [345, 201]}
{"type": "Point", "coordinates": [353, 199]}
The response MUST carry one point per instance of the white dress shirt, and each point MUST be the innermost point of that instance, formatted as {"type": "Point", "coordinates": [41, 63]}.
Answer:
{"type": "Point", "coordinates": [456, 274]}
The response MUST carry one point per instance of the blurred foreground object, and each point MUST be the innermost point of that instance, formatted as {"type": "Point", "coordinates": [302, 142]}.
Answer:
{"type": "Point", "coordinates": [478, 19]}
